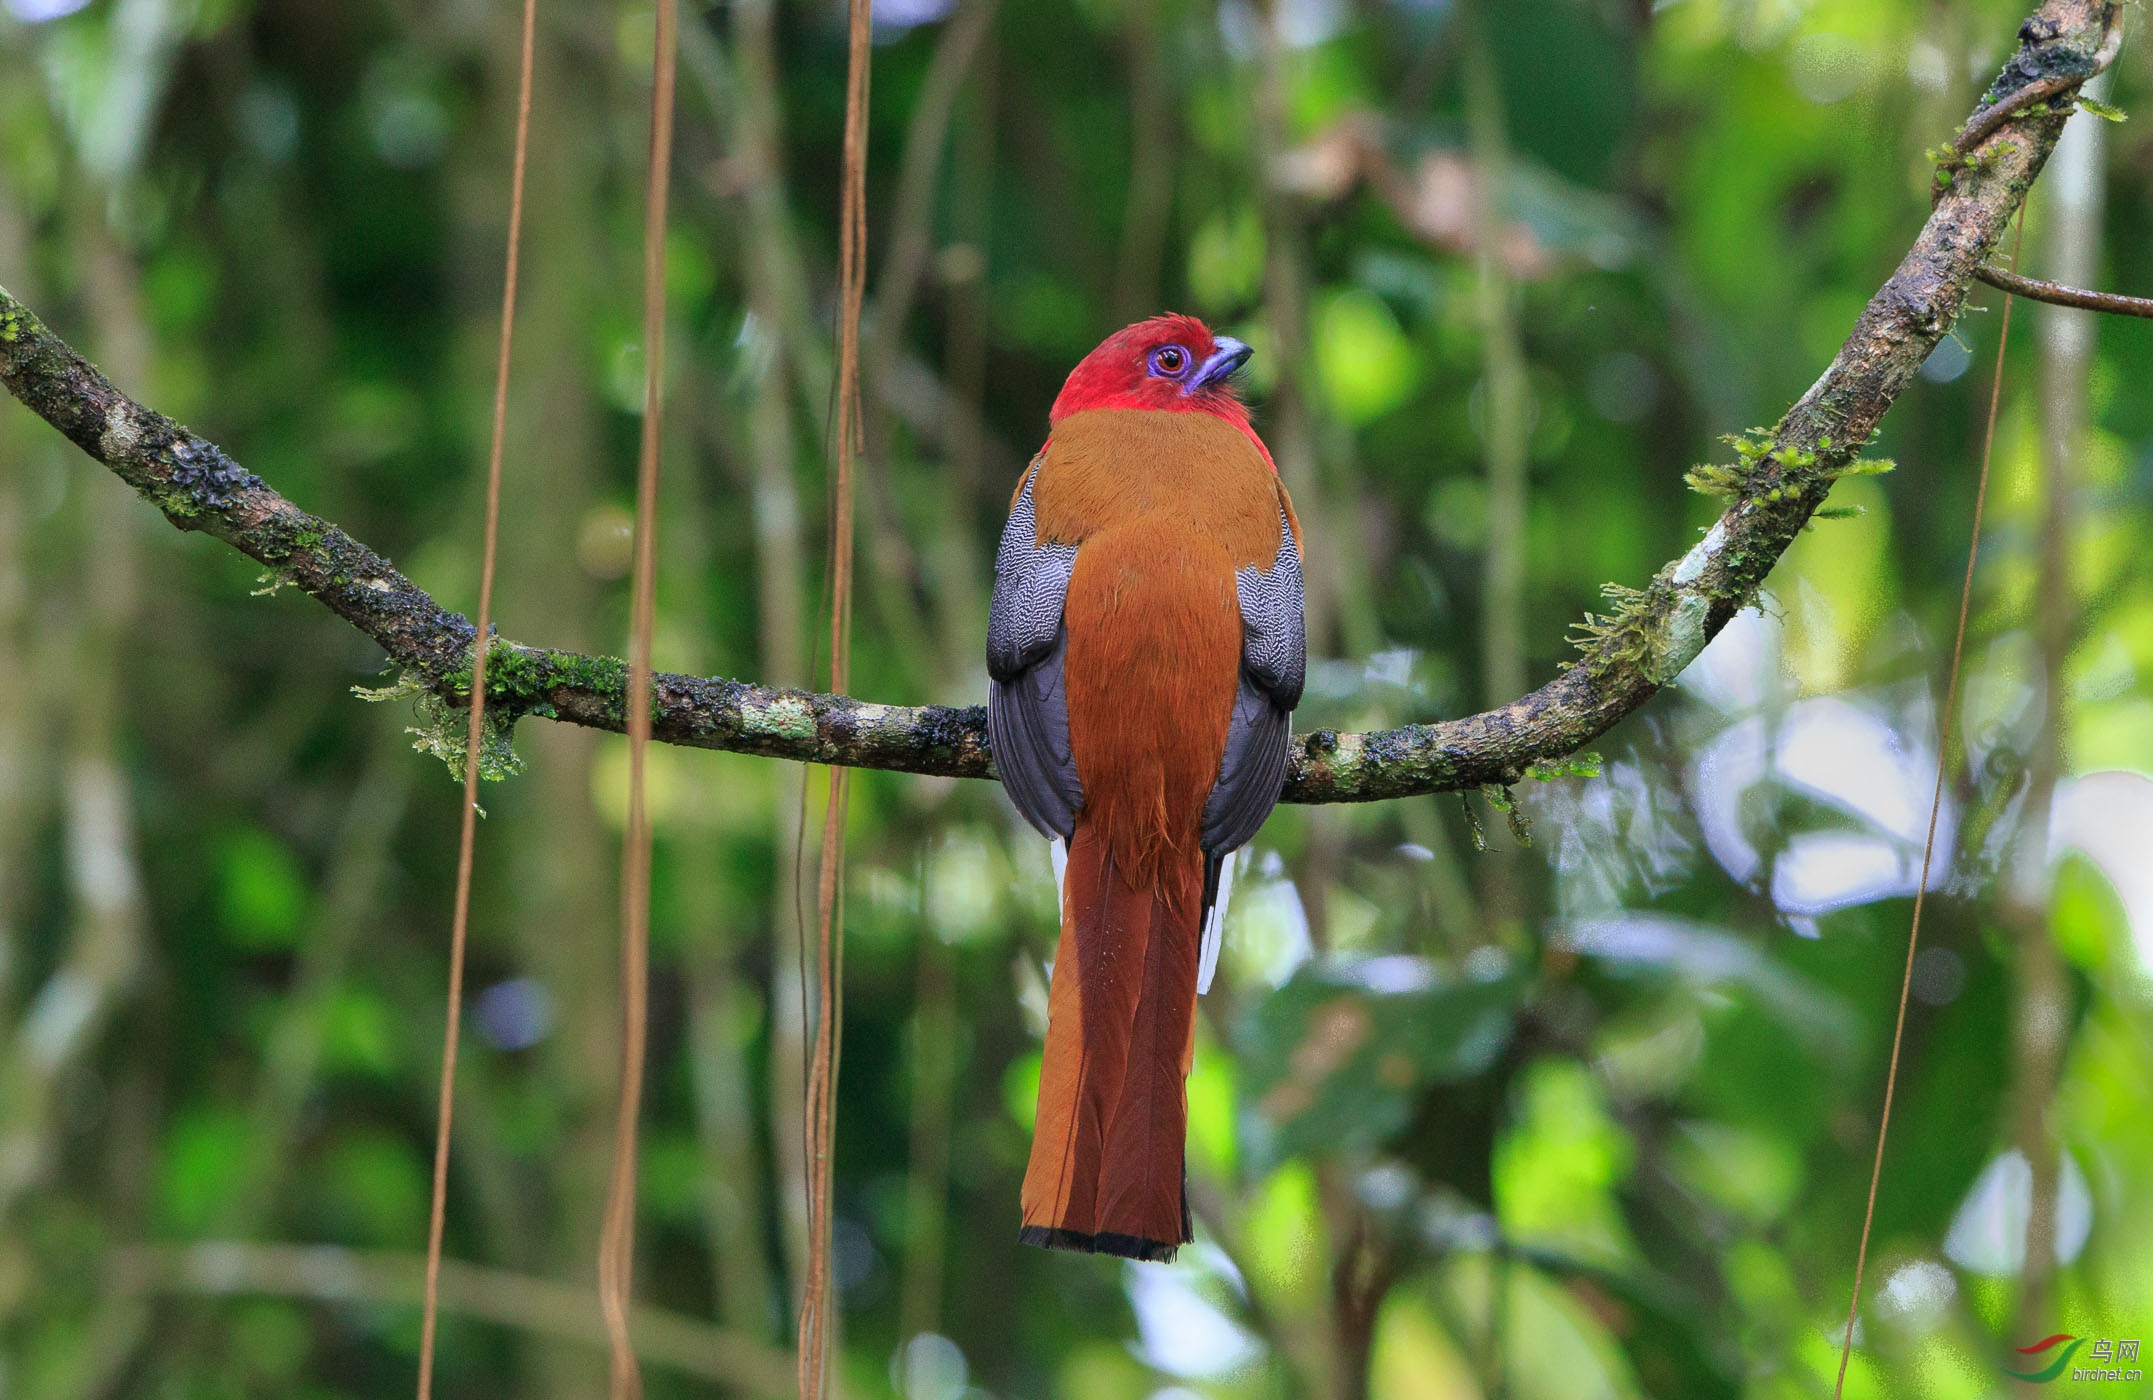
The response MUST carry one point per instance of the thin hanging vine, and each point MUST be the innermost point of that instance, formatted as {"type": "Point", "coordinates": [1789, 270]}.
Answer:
{"type": "Point", "coordinates": [845, 435]}
{"type": "Point", "coordinates": [616, 1251]}
{"type": "Point", "coordinates": [1928, 844]}
{"type": "Point", "coordinates": [475, 737]}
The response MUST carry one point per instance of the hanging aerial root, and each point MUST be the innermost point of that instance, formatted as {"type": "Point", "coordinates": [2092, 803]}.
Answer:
{"type": "Point", "coordinates": [485, 745]}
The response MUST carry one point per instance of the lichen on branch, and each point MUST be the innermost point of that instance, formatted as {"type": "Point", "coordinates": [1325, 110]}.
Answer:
{"type": "Point", "coordinates": [1777, 485]}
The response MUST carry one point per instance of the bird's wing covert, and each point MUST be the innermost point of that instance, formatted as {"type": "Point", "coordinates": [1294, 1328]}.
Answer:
{"type": "Point", "coordinates": [1027, 712]}
{"type": "Point", "coordinates": [1274, 662]}
{"type": "Point", "coordinates": [1274, 634]}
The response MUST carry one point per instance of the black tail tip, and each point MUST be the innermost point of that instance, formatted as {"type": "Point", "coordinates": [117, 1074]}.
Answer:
{"type": "Point", "coordinates": [1103, 1242]}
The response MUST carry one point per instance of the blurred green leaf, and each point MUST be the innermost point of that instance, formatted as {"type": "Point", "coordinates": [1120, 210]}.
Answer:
{"type": "Point", "coordinates": [375, 1187]}
{"type": "Point", "coordinates": [1226, 260]}
{"type": "Point", "coordinates": [671, 1176]}
{"type": "Point", "coordinates": [1212, 1109]}
{"type": "Point", "coordinates": [1364, 362]}
{"type": "Point", "coordinates": [1550, 1340]}
{"type": "Point", "coordinates": [1557, 1166]}
{"type": "Point", "coordinates": [1020, 1089]}
{"type": "Point", "coordinates": [271, 1340]}
{"type": "Point", "coordinates": [202, 1150]}
{"type": "Point", "coordinates": [263, 899]}
{"type": "Point", "coordinates": [1285, 1245]}
{"type": "Point", "coordinates": [1102, 1371]}
{"type": "Point", "coordinates": [2086, 918]}
{"type": "Point", "coordinates": [1414, 1357]}
{"type": "Point", "coordinates": [1745, 1171]}
{"type": "Point", "coordinates": [359, 1034]}
{"type": "Point", "coordinates": [1330, 1066]}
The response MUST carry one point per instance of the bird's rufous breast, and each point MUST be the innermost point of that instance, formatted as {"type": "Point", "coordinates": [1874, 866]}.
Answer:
{"type": "Point", "coordinates": [1194, 471]}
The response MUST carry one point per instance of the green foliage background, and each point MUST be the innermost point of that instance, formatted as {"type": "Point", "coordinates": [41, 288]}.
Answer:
{"type": "Point", "coordinates": [1587, 1119]}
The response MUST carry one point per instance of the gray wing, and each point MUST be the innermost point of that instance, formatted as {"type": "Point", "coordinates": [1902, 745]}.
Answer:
{"type": "Point", "coordinates": [1274, 660]}
{"type": "Point", "coordinates": [1027, 712]}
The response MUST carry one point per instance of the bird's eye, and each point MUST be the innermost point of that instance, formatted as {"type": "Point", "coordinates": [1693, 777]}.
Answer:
{"type": "Point", "coordinates": [1169, 360]}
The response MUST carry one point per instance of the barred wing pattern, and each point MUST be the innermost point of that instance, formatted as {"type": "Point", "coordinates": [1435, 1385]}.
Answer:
{"type": "Point", "coordinates": [1027, 712]}
{"type": "Point", "coordinates": [1274, 660]}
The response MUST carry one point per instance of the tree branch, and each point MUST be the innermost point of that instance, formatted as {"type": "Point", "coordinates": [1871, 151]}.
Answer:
{"type": "Point", "coordinates": [2057, 294]}
{"type": "Point", "coordinates": [333, 1274]}
{"type": "Point", "coordinates": [1647, 640]}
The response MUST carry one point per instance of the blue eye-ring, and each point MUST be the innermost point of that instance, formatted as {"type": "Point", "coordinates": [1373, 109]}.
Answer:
{"type": "Point", "coordinates": [1170, 361]}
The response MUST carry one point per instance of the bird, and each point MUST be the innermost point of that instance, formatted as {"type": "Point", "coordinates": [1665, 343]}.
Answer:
{"type": "Point", "coordinates": [1146, 648]}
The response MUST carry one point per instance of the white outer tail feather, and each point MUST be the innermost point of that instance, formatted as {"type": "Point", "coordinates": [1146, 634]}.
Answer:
{"type": "Point", "coordinates": [1207, 960]}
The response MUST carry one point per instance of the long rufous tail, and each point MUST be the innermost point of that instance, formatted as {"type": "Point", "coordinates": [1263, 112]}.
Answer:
{"type": "Point", "coordinates": [1106, 1172]}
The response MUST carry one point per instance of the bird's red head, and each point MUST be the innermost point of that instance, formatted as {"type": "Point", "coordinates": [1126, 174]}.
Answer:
{"type": "Point", "coordinates": [1168, 362]}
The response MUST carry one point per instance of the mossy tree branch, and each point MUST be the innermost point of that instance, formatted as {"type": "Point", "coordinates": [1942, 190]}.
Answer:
{"type": "Point", "coordinates": [1652, 634]}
